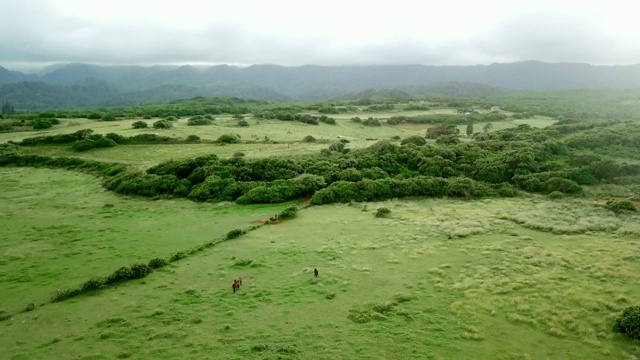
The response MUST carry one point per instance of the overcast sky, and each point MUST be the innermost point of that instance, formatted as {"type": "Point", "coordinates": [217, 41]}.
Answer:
{"type": "Point", "coordinates": [448, 32]}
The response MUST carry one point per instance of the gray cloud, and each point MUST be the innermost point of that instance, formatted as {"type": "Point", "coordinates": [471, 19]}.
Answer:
{"type": "Point", "coordinates": [38, 32]}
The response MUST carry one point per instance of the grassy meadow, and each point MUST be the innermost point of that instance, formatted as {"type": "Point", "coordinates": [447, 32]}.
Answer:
{"type": "Point", "coordinates": [437, 279]}
{"type": "Point", "coordinates": [262, 138]}
{"type": "Point", "coordinates": [527, 277]}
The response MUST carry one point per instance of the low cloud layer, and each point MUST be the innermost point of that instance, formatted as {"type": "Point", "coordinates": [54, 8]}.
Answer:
{"type": "Point", "coordinates": [119, 32]}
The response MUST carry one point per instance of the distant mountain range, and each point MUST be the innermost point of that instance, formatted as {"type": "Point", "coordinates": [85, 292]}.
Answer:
{"type": "Point", "coordinates": [83, 85]}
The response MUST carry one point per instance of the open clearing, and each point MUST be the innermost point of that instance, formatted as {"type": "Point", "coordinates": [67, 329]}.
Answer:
{"type": "Point", "coordinates": [438, 279]}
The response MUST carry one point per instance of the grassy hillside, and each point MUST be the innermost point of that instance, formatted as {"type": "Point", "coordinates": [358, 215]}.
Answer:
{"type": "Point", "coordinates": [437, 279]}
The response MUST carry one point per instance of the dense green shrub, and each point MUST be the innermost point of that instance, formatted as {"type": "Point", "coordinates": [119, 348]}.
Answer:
{"type": "Point", "coordinates": [383, 212]}
{"type": "Point", "coordinates": [243, 123]}
{"type": "Point", "coordinates": [198, 120]}
{"type": "Point", "coordinates": [327, 120]}
{"type": "Point", "coordinates": [61, 295]}
{"type": "Point", "coordinates": [117, 138]}
{"type": "Point", "coordinates": [448, 140]}
{"type": "Point", "coordinates": [415, 140]}
{"type": "Point", "coordinates": [234, 234]}
{"type": "Point", "coordinates": [556, 195]}
{"type": "Point", "coordinates": [41, 124]}
{"type": "Point", "coordinates": [137, 183]}
{"type": "Point", "coordinates": [93, 284]}
{"type": "Point", "coordinates": [57, 139]}
{"type": "Point", "coordinates": [309, 138]}
{"type": "Point", "coordinates": [157, 263]}
{"type": "Point", "coordinates": [177, 256]}
{"type": "Point", "coordinates": [217, 189]}
{"type": "Point", "coordinates": [140, 125]}
{"type": "Point", "coordinates": [227, 139]}
{"type": "Point", "coordinates": [442, 130]}
{"type": "Point", "coordinates": [288, 213]}
{"type": "Point", "coordinates": [279, 191]}
{"type": "Point", "coordinates": [87, 144]}
{"type": "Point", "coordinates": [150, 139]}
{"type": "Point", "coordinates": [562, 185]}
{"type": "Point", "coordinates": [371, 122]}
{"type": "Point", "coordinates": [162, 124]}
{"type": "Point", "coordinates": [628, 322]}
{"type": "Point", "coordinates": [192, 139]}
{"type": "Point", "coordinates": [621, 205]}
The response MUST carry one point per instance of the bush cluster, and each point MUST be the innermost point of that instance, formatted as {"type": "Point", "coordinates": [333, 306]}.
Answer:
{"type": "Point", "coordinates": [199, 120]}
{"type": "Point", "coordinates": [628, 322]}
{"type": "Point", "coordinates": [288, 213]}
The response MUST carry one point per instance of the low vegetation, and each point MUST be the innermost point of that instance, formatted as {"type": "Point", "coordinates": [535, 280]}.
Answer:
{"type": "Point", "coordinates": [468, 224]}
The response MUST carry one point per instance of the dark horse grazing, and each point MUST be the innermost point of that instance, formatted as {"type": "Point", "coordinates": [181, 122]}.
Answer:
{"type": "Point", "coordinates": [235, 286]}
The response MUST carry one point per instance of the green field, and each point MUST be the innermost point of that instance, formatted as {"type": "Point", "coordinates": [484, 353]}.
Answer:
{"type": "Point", "coordinates": [438, 279]}
{"type": "Point", "coordinates": [540, 275]}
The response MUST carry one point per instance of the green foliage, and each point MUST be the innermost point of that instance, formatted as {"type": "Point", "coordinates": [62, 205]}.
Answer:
{"type": "Point", "coordinates": [88, 144]}
{"type": "Point", "coordinates": [234, 234]}
{"type": "Point", "coordinates": [192, 139]}
{"type": "Point", "coordinates": [279, 191]}
{"type": "Point", "coordinates": [562, 185]}
{"type": "Point", "coordinates": [383, 212]}
{"type": "Point", "coordinates": [619, 206]}
{"type": "Point", "coordinates": [448, 140]}
{"type": "Point", "coordinates": [95, 283]}
{"type": "Point", "coordinates": [442, 130]}
{"type": "Point", "coordinates": [162, 124]}
{"type": "Point", "coordinates": [416, 140]}
{"type": "Point", "coordinates": [157, 263]}
{"type": "Point", "coordinates": [371, 122]}
{"type": "Point", "coordinates": [288, 213]}
{"type": "Point", "coordinates": [7, 109]}
{"type": "Point", "coordinates": [309, 139]}
{"type": "Point", "coordinates": [227, 139]}
{"type": "Point", "coordinates": [556, 195]}
{"type": "Point", "coordinates": [327, 120]}
{"type": "Point", "coordinates": [108, 117]}
{"type": "Point", "coordinates": [62, 295]}
{"type": "Point", "coordinates": [628, 322]}
{"type": "Point", "coordinates": [41, 124]}
{"type": "Point", "coordinates": [177, 256]}
{"type": "Point", "coordinates": [243, 123]}
{"type": "Point", "coordinates": [140, 125]}
{"type": "Point", "coordinates": [469, 130]}
{"type": "Point", "coordinates": [135, 271]}
{"type": "Point", "coordinates": [199, 120]}
{"type": "Point", "coordinates": [217, 189]}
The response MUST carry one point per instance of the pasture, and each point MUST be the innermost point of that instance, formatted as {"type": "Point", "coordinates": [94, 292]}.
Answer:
{"type": "Point", "coordinates": [262, 138]}
{"type": "Point", "coordinates": [527, 277]}
{"type": "Point", "coordinates": [437, 279]}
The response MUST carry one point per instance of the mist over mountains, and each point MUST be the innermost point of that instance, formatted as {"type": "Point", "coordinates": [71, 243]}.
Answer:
{"type": "Point", "coordinates": [82, 85]}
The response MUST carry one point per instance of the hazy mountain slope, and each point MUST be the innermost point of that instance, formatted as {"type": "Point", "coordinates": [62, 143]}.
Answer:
{"type": "Point", "coordinates": [129, 85]}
